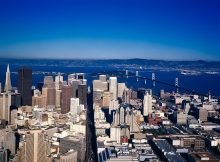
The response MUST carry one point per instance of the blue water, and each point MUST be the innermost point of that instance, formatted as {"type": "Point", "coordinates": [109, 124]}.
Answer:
{"type": "Point", "coordinates": [199, 83]}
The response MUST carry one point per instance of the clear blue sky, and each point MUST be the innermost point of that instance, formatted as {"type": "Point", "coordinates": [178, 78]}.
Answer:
{"type": "Point", "coordinates": [153, 29]}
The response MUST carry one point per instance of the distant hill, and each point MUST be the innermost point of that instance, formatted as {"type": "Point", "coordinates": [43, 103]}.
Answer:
{"type": "Point", "coordinates": [123, 63]}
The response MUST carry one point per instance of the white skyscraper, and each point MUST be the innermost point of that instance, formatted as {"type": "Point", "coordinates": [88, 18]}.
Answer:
{"type": "Point", "coordinates": [74, 104]}
{"type": "Point", "coordinates": [59, 78]}
{"type": "Point", "coordinates": [115, 134]}
{"type": "Point", "coordinates": [113, 87]}
{"type": "Point", "coordinates": [7, 80]}
{"type": "Point", "coordinates": [147, 104]}
{"type": "Point", "coordinates": [102, 78]}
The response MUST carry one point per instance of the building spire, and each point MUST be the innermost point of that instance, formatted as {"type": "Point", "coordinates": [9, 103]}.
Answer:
{"type": "Point", "coordinates": [8, 69]}
{"type": "Point", "coordinates": [7, 80]}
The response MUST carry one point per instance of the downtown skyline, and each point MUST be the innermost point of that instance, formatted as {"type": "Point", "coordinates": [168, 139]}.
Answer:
{"type": "Point", "coordinates": [183, 30]}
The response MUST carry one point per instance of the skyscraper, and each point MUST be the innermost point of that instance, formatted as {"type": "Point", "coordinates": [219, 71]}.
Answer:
{"type": "Point", "coordinates": [82, 94]}
{"type": "Point", "coordinates": [65, 98]}
{"type": "Point", "coordinates": [106, 99]}
{"type": "Point", "coordinates": [113, 87]}
{"type": "Point", "coordinates": [100, 85]}
{"type": "Point", "coordinates": [34, 148]}
{"type": "Point", "coordinates": [74, 104]}
{"type": "Point", "coordinates": [7, 140]}
{"type": "Point", "coordinates": [24, 86]}
{"type": "Point", "coordinates": [147, 104]}
{"type": "Point", "coordinates": [49, 91]}
{"type": "Point", "coordinates": [121, 88]}
{"type": "Point", "coordinates": [48, 80]}
{"type": "Point", "coordinates": [7, 80]}
{"type": "Point", "coordinates": [102, 78]}
{"type": "Point", "coordinates": [50, 95]}
{"type": "Point", "coordinates": [8, 99]}
{"type": "Point", "coordinates": [75, 83]}
{"type": "Point", "coordinates": [58, 81]}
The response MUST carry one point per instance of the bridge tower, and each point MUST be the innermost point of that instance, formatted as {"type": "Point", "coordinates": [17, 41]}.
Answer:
{"type": "Point", "coordinates": [137, 75]}
{"type": "Point", "coordinates": [177, 84]}
{"type": "Point", "coordinates": [153, 79]}
{"type": "Point", "coordinates": [126, 73]}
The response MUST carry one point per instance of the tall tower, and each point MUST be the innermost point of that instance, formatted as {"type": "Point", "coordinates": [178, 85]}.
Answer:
{"type": "Point", "coordinates": [49, 91]}
{"type": "Point", "coordinates": [74, 104]}
{"type": "Point", "coordinates": [113, 87]}
{"type": "Point", "coordinates": [24, 86]}
{"type": "Point", "coordinates": [82, 94]}
{"type": "Point", "coordinates": [34, 148]}
{"type": "Point", "coordinates": [66, 95]}
{"type": "Point", "coordinates": [8, 99]}
{"type": "Point", "coordinates": [147, 104]}
{"type": "Point", "coordinates": [7, 80]}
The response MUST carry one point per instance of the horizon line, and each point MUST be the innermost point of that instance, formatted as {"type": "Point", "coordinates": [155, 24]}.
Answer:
{"type": "Point", "coordinates": [67, 58]}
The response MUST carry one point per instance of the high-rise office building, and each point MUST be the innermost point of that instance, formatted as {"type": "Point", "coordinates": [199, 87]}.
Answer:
{"type": "Point", "coordinates": [48, 80]}
{"type": "Point", "coordinates": [102, 78]}
{"type": "Point", "coordinates": [126, 95]}
{"type": "Point", "coordinates": [58, 81]}
{"type": "Point", "coordinates": [147, 104]}
{"type": "Point", "coordinates": [7, 80]}
{"type": "Point", "coordinates": [35, 147]}
{"type": "Point", "coordinates": [70, 78]}
{"type": "Point", "coordinates": [7, 100]}
{"type": "Point", "coordinates": [74, 104]}
{"type": "Point", "coordinates": [106, 99]}
{"type": "Point", "coordinates": [121, 88]}
{"type": "Point", "coordinates": [58, 98]}
{"type": "Point", "coordinates": [13, 116]}
{"type": "Point", "coordinates": [66, 95]}
{"type": "Point", "coordinates": [24, 86]}
{"type": "Point", "coordinates": [82, 94]}
{"type": "Point", "coordinates": [39, 100]}
{"type": "Point", "coordinates": [97, 95]}
{"type": "Point", "coordinates": [50, 95]}
{"type": "Point", "coordinates": [100, 85]}
{"type": "Point", "coordinates": [7, 140]}
{"type": "Point", "coordinates": [75, 84]}
{"type": "Point", "coordinates": [113, 87]}
{"type": "Point", "coordinates": [84, 81]}
{"type": "Point", "coordinates": [58, 78]}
